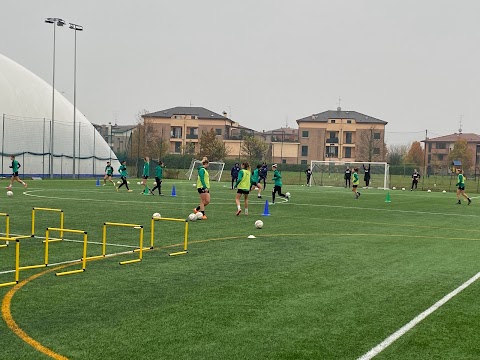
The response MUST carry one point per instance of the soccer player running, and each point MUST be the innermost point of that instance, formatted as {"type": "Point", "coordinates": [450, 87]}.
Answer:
{"type": "Point", "coordinates": [415, 177]}
{"type": "Point", "coordinates": [146, 173]}
{"type": "Point", "coordinates": [461, 188]}
{"type": "Point", "coordinates": [347, 177]}
{"type": "Point", "coordinates": [108, 174]}
{"type": "Point", "coordinates": [123, 175]}
{"type": "Point", "coordinates": [158, 179]}
{"type": "Point", "coordinates": [308, 172]}
{"type": "Point", "coordinates": [356, 182]}
{"type": "Point", "coordinates": [243, 185]}
{"type": "Point", "coordinates": [255, 181]}
{"type": "Point", "coordinates": [277, 179]}
{"type": "Point", "coordinates": [203, 188]}
{"type": "Point", "coordinates": [15, 166]}
{"type": "Point", "coordinates": [263, 174]}
{"type": "Point", "coordinates": [234, 173]}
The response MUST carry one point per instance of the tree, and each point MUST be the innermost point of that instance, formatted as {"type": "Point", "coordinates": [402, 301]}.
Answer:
{"type": "Point", "coordinates": [415, 155]}
{"type": "Point", "coordinates": [147, 141]}
{"type": "Point", "coordinates": [254, 148]}
{"type": "Point", "coordinates": [370, 146]}
{"type": "Point", "coordinates": [462, 153]}
{"type": "Point", "coordinates": [211, 146]}
{"type": "Point", "coordinates": [396, 154]}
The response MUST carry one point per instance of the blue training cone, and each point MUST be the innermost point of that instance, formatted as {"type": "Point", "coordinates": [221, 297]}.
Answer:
{"type": "Point", "coordinates": [174, 192]}
{"type": "Point", "coordinates": [98, 182]}
{"type": "Point", "coordinates": [265, 209]}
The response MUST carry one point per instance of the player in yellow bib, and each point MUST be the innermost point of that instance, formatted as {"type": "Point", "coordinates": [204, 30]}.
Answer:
{"type": "Point", "coordinates": [203, 188]}
{"type": "Point", "coordinates": [243, 185]}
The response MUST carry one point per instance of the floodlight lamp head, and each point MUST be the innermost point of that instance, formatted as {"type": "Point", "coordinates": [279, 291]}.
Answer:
{"type": "Point", "coordinates": [76, 27]}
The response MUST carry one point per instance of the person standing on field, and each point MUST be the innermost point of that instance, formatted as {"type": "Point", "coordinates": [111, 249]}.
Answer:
{"type": "Point", "coordinates": [15, 166]}
{"type": "Point", "coordinates": [367, 175]}
{"type": "Point", "coordinates": [123, 175]}
{"type": "Point", "coordinates": [234, 173]}
{"type": "Point", "coordinates": [243, 185]}
{"type": "Point", "coordinates": [356, 182]}
{"type": "Point", "coordinates": [461, 188]}
{"type": "Point", "coordinates": [263, 174]}
{"type": "Point", "coordinates": [158, 179]}
{"type": "Point", "coordinates": [347, 176]}
{"type": "Point", "coordinates": [308, 172]}
{"type": "Point", "coordinates": [146, 173]}
{"type": "Point", "coordinates": [203, 188]}
{"type": "Point", "coordinates": [415, 177]}
{"type": "Point", "coordinates": [108, 174]}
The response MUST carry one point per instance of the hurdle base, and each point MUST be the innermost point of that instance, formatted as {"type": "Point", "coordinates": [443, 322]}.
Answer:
{"type": "Point", "coordinates": [52, 240]}
{"type": "Point", "coordinates": [178, 253]}
{"type": "Point", "coordinates": [9, 283]}
{"type": "Point", "coordinates": [94, 257]}
{"type": "Point", "coordinates": [70, 272]}
{"type": "Point", "coordinates": [144, 249]}
{"type": "Point", "coordinates": [129, 261]}
{"type": "Point", "coordinates": [2, 246]}
{"type": "Point", "coordinates": [32, 267]}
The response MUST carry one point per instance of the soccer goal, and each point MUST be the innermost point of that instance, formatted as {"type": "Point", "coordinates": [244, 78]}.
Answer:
{"type": "Point", "coordinates": [215, 169]}
{"type": "Point", "coordinates": [332, 173]}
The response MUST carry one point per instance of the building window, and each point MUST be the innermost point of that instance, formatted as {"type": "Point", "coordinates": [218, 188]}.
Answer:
{"type": "Point", "coordinates": [429, 147]}
{"type": "Point", "coordinates": [304, 150]}
{"type": "Point", "coordinates": [332, 121]}
{"type": "Point", "coordinates": [176, 132]}
{"type": "Point", "coordinates": [439, 145]}
{"type": "Point", "coordinates": [332, 152]}
{"type": "Point", "coordinates": [192, 133]}
{"type": "Point", "coordinates": [348, 153]}
{"type": "Point", "coordinates": [305, 134]}
{"type": "Point", "coordinates": [303, 162]}
{"type": "Point", "coordinates": [218, 131]}
{"type": "Point", "coordinates": [376, 136]}
{"type": "Point", "coordinates": [349, 121]}
{"type": "Point", "coordinates": [376, 151]}
{"type": "Point", "coordinates": [333, 137]}
{"type": "Point", "coordinates": [178, 147]}
{"type": "Point", "coordinates": [440, 157]}
{"type": "Point", "coordinates": [284, 161]}
{"type": "Point", "coordinates": [348, 137]}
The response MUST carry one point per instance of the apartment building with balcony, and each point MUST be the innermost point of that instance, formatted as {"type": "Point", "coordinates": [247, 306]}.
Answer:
{"type": "Point", "coordinates": [340, 135]}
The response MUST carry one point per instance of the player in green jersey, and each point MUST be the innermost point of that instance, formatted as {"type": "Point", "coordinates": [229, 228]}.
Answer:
{"type": "Point", "coordinates": [108, 174]}
{"type": "Point", "coordinates": [243, 185]}
{"type": "Point", "coordinates": [255, 181]}
{"type": "Point", "coordinates": [123, 175]}
{"type": "Point", "coordinates": [203, 188]}
{"type": "Point", "coordinates": [158, 179]}
{"type": "Point", "coordinates": [355, 183]}
{"type": "Point", "coordinates": [146, 173]}
{"type": "Point", "coordinates": [277, 182]}
{"type": "Point", "coordinates": [15, 166]}
{"type": "Point", "coordinates": [461, 188]}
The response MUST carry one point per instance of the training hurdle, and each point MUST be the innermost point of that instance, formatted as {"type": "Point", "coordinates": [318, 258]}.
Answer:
{"type": "Point", "coordinates": [84, 257]}
{"type": "Point", "coordinates": [104, 242]}
{"type": "Point", "coordinates": [185, 235]}
{"type": "Point", "coordinates": [52, 210]}
{"type": "Point", "coordinates": [17, 257]}
{"type": "Point", "coordinates": [7, 229]}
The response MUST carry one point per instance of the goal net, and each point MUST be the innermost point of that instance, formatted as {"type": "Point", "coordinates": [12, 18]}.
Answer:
{"type": "Point", "coordinates": [215, 169]}
{"type": "Point", "coordinates": [332, 173]}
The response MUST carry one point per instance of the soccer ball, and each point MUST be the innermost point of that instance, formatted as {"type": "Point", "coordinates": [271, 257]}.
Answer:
{"type": "Point", "coordinates": [192, 217]}
{"type": "Point", "coordinates": [9, 193]}
{"type": "Point", "coordinates": [139, 183]}
{"type": "Point", "coordinates": [259, 224]}
{"type": "Point", "coordinates": [444, 191]}
{"type": "Point", "coordinates": [199, 215]}
{"type": "Point", "coordinates": [403, 188]}
{"type": "Point", "coordinates": [287, 194]}
{"type": "Point", "coordinates": [429, 190]}
{"type": "Point", "coordinates": [394, 188]}
{"type": "Point", "coordinates": [194, 185]}
{"type": "Point", "coordinates": [128, 182]}
{"type": "Point", "coordinates": [154, 183]}
{"type": "Point", "coordinates": [156, 216]}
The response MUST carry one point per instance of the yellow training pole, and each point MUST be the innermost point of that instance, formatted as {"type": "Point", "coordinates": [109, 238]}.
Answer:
{"type": "Point", "coordinates": [152, 232]}
{"type": "Point", "coordinates": [33, 221]}
{"type": "Point", "coordinates": [61, 224]}
{"type": "Point", "coordinates": [46, 246]}
{"type": "Point", "coordinates": [17, 260]}
{"type": "Point", "coordinates": [104, 240]}
{"type": "Point", "coordinates": [7, 229]}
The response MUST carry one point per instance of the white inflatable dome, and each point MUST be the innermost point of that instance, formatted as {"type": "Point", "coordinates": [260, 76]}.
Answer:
{"type": "Point", "coordinates": [25, 129]}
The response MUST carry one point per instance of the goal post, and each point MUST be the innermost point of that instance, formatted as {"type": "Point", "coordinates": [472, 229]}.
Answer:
{"type": "Point", "coordinates": [215, 169]}
{"type": "Point", "coordinates": [332, 173]}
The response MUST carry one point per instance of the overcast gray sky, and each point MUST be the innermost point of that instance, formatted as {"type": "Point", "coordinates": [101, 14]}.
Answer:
{"type": "Point", "coordinates": [412, 63]}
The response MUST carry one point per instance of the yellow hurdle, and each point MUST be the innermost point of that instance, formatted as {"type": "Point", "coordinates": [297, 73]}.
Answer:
{"type": "Point", "coordinates": [7, 229]}
{"type": "Point", "coordinates": [52, 210]}
{"type": "Point", "coordinates": [104, 242]}
{"type": "Point", "coordinates": [17, 257]}
{"type": "Point", "coordinates": [185, 234]}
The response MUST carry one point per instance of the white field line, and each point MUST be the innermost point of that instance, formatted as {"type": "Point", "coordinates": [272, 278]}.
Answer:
{"type": "Point", "coordinates": [404, 329]}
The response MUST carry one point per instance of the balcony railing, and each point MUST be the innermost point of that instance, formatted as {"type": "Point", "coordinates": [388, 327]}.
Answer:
{"type": "Point", "coordinates": [332, 140]}
{"type": "Point", "coordinates": [192, 136]}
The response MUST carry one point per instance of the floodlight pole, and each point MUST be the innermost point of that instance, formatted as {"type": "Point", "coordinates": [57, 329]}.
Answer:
{"type": "Point", "coordinates": [58, 22]}
{"type": "Point", "coordinates": [76, 28]}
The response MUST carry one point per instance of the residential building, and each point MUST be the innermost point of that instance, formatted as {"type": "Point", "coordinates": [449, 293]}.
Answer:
{"type": "Point", "coordinates": [340, 135]}
{"type": "Point", "coordinates": [283, 145]}
{"type": "Point", "coordinates": [438, 148]}
{"type": "Point", "coordinates": [118, 137]}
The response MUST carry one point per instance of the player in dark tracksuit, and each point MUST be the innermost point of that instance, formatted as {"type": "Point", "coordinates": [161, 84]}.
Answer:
{"type": "Point", "coordinates": [158, 179]}
{"type": "Point", "coordinates": [263, 174]}
{"type": "Point", "coordinates": [308, 172]}
{"type": "Point", "coordinates": [234, 173]}
{"type": "Point", "coordinates": [415, 177]}
{"type": "Point", "coordinates": [366, 170]}
{"type": "Point", "coordinates": [347, 177]}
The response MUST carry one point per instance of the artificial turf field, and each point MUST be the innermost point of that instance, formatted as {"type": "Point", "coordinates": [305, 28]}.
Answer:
{"type": "Point", "coordinates": [328, 276]}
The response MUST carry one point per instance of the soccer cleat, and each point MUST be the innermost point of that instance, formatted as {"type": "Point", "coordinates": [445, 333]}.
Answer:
{"type": "Point", "coordinates": [359, 194]}
{"type": "Point", "coordinates": [469, 201]}
{"type": "Point", "coordinates": [129, 190]}
{"type": "Point", "coordinates": [238, 212]}
{"type": "Point", "coordinates": [259, 196]}
{"type": "Point", "coordinates": [459, 202]}
{"type": "Point", "coordinates": [116, 188]}
{"type": "Point", "coordinates": [104, 184]}
{"type": "Point", "coordinates": [161, 195]}
{"type": "Point", "coordinates": [9, 187]}
{"type": "Point", "coordinates": [204, 217]}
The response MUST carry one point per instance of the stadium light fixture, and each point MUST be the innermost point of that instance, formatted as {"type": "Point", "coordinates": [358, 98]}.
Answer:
{"type": "Point", "coordinates": [58, 22]}
{"type": "Point", "coordinates": [76, 28]}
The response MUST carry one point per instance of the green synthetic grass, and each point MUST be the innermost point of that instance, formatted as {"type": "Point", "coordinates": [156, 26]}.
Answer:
{"type": "Point", "coordinates": [328, 276]}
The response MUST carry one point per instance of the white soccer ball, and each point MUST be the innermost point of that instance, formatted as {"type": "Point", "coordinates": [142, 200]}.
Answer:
{"type": "Point", "coordinates": [394, 188]}
{"type": "Point", "coordinates": [139, 183]}
{"type": "Point", "coordinates": [9, 193]}
{"type": "Point", "coordinates": [403, 188]}
{"type": "Point", "coordinates": [156, 216]}
{"type": "Point", "coordinates": [259, 224]}
{"type": "Point", "coordinates": [154, 183]}
{"type": "Point", "coordinates": [119, 182]}
{"type": "Point", "coordinates": [199, 215]}
{"type": "Point", "coordinates": [444, 191]}
{"type": "Point", "coordinates": [194, 185]}
{"type": "Point", "coordinates": [287, 194]}
{"type": "Point", "coordinates": [128, 182]}
{"type": "Point", "coordinates": [192, 217]}
{"type": "Point", "coordinates": [429, 190]}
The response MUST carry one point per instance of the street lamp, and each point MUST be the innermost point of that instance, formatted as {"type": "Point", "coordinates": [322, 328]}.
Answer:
{"type": "Point", "coordinates": [58, 22]}
{"type": "Point", "coordinates": [76, 28]}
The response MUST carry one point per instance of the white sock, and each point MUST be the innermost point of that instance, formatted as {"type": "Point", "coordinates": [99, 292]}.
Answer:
{"type": "Point", "coordinates": [238, 207]}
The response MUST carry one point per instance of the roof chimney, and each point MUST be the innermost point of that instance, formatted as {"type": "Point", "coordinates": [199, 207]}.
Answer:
{"type": "Point", "coordinates": [339, 109]}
